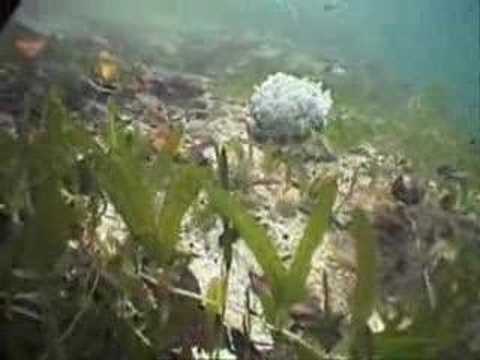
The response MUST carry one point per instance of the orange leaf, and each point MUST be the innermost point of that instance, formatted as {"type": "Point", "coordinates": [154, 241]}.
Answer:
{"type": "Point", "coordinates": [31, 48]}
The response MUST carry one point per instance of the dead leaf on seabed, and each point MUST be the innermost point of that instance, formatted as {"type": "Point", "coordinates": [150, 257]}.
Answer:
{"type": "Point", "coordinates": [107, 68]}
{"type": "Point", "coordinates": [165, 139]}
{"type": "Point", "coordinates": [30, 48]}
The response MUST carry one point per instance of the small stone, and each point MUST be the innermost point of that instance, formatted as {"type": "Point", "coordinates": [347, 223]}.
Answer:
{"type": "Point", "coordinates": [449, 172]}
{"type": "Point", "coordinates": [199, 114]}
{"type": "Point", "coordinates": [404, 163]}
{"type": "Point", "coordinates": [376, 323]}
{"type": "Point", "coordinates": [107, 68]}
{"type": "Point", "coordinates": [199, 104]}
{"type": "Point", "coordinates": [365, 150]}
{"type": "Point", "coordinates": [292, 195]}
{"type": "Point", "coordinates": [448, 200]}
{"type": "Point", "coordinates": [408, 190]}
{"type": "Point", "coordinates": [7, 123]}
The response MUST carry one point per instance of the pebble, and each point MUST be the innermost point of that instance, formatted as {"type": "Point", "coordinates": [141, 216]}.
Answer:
{"type": "Point", "coordinates": [407, 189]}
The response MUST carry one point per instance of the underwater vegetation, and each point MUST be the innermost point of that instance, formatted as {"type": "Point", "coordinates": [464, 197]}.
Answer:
{"type": "Point", "coordinates": [420, 129]}
{"type": "Point", "coordinates": [64, 296]}
{"type": "Point", "coordinates": [142, 217]}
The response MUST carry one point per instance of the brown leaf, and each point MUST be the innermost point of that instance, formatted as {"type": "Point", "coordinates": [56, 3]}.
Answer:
{"type": "Point", "coordinates": [305, 313]}
{"type": "Point", "coordinates": [163, 138]}
{"type": "Point", "coordinates": [30, 48]}
{"type": "Point", "coordinates": [260, 285]}
{"type": "Point", "coordinates": [107, 68]}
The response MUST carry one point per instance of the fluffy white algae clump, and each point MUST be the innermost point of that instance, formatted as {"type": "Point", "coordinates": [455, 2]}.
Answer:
{"type": "Point", "coordinates": [285, 107]}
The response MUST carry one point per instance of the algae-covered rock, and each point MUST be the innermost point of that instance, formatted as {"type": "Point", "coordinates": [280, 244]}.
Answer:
{"type": "Point", "coordinates": [285, 107]}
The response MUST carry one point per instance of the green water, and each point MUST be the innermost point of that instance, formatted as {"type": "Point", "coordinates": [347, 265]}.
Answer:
{"type": "Point", "coordinates": [420, 42]}
{"type": "Point", "coordinates": [393, 53]}
{"type": "Point", "coordinates": [400, 144]}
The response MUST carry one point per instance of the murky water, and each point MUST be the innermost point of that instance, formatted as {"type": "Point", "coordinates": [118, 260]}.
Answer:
{"type": "Point", "coordinates": [347, 125]}
{"type": "Point", "coordinates": [421, 42]}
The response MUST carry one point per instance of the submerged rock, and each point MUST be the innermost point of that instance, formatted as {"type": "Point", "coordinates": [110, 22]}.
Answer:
{"type": "Point", "coordinates": [451, 173]}
{"type": "Point", "coordinates": [336, 68]}
{"type": "Point", "coordinates": [7, 123]}
{"type": "Point", "coordinates": [107, 69]}
{"type": "Point", "coordinates": [408, 190]}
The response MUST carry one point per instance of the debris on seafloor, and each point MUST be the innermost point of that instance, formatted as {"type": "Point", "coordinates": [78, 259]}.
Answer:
{"type": "Point", "coordinates": [30, 48]}
{"type": "Point", "coordinates": [450, 172]}
{"type": "Point", "coordinates": [166, 139]}
{"type": "Point", "coordinates": [415, 239]}
{"type": "Point", "coordinates": [407, 189]}
{"type": "Point", "coordinates": [107, 69]}
{"type": "Point", "coordinates": [174, 89]}
{"type": "Point", "coordinates": [336, 68]}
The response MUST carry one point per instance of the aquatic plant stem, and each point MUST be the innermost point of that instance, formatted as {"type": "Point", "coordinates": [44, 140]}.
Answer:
{"type": "Point", "coordinates": [83, 310]}
{"type": "Point", "coordinates": [321, 353]}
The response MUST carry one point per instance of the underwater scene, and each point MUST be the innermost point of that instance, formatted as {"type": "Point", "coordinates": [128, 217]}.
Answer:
{"type": "Point", "coordinates": [240, 179]}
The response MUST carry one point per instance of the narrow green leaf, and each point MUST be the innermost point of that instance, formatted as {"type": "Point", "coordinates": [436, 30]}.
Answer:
{"type": "Point", "coordinates": [8, 250]}
{"type": "Point", "coordinates": [216, 296]}
{"type": "Point", "coordinates": [312, 238]}
{"type": "Point", "coordinates": [12, 172]}
{"type": "Point", "coordinates": [112, 129]}
{"type": "Point", "coordinates": [399, 345]}
{"type": "Point", "coordinates": [254, 235]}
{"type": "Point", "coordinates": [223, 168]}
{"type": "Point", "coordinates": [8, 148]}
{"type": "Point", "coordinates": [365, 248]}
{"type": "Point", "coordinates": [180, 195]}
{"type": "Point", "coordinates": [304, 353]}
{"type": "Point", "coordinates": [55, 116]}
{"type": "Point", "coordinates": [123, 181]}
{"type": "Point", "coordinates": [271, 160]}
{"type": "Point", "coordinates": [47, 230]}
{"type": "Point", "coordinates": [364, 293]}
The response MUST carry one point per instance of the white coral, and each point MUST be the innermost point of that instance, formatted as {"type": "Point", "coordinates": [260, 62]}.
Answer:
{"type": "Point", "coordinates": [286, 107]}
